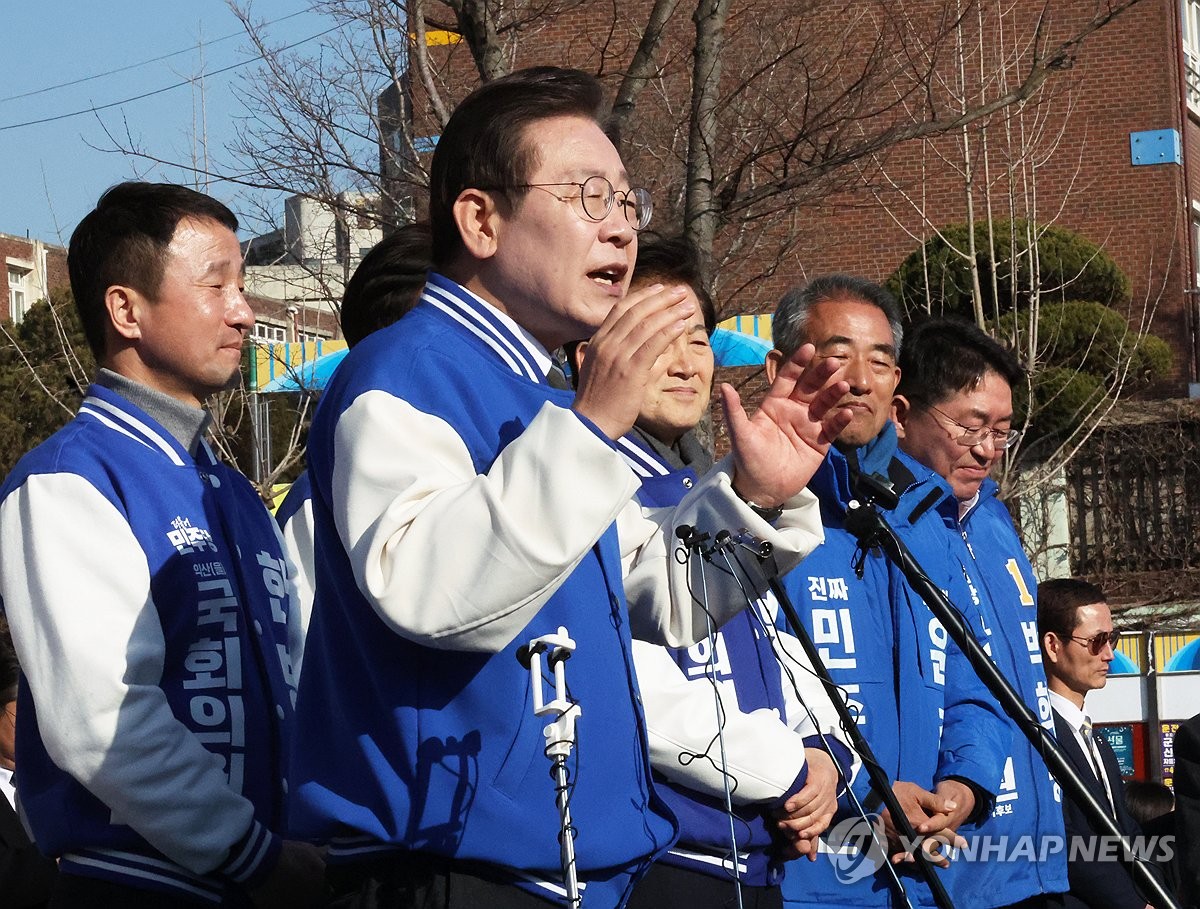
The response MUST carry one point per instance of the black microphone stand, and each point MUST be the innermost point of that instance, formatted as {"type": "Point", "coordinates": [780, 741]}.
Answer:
{"type": "Point", "coordinates": [880, 784]}
{"type": "Point", "coordinates": [873, 531]}
{"type": "Point", "coordinates": [878, 776]}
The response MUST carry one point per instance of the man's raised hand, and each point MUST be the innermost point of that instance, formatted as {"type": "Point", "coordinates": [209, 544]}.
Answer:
{"type": "Point", "coordinates": [777, 451]}
{"type": "Point", "coordinates": [621, 355]}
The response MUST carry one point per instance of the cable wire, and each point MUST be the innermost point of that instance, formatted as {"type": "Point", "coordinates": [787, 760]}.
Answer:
{"type": "Point", "coordinates": [741, 574]}
{"type": "Point", "coordinates": [158, 91]}
{"type": "Point", "coordinates": [129, 66]}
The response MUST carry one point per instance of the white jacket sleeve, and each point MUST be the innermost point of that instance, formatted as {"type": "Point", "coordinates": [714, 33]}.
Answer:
{"type": "Point", "coordinates": [661, 605]}
{"type": "Point", "coordinates": [764, 751]}
{"type": "Point", "coordinates": [763, 755]}
{"type": "Point", "coordinates": [455, 559]}
{"type": "Point", "coordinates": [298, 545]}
{"type": "Point", "coordinates": [460, 560]}
{"type": "Point", "coordinates": [76, 588]}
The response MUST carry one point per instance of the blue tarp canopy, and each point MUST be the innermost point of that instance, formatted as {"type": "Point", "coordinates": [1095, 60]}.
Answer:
{"type": "Point", "coordinates": [1122, 665]}
{"type": "Point", "coordinates": [1186, 658]}
{"type": "Point", "coordinates": [311, 376]}
{"type": "Point", "coordinates": [730, 348]}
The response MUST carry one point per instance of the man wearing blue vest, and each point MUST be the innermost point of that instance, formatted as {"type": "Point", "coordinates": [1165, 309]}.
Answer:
{"type": "Point", "coordinates": [147, 589]}
{"type": "Point", "coordinates": [930, 723]}
{"type": "Point", "coordinates": [954, 407]}
{"type": "Point", "coordinates": [463, 507]}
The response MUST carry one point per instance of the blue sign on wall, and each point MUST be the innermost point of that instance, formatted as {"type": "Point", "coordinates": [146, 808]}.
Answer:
{"type": "Point", "coordinates": [1155, 146]}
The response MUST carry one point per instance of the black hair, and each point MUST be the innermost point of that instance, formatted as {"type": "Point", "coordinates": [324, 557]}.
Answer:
{"type": "Point", "coordinates": [675, 260]}
{"type": "Point", "coordinates": [487, 141]}
{"type": "Point", "coordinates": [1147, 800]}
{"type": "Point", "coordinates": [387, 282]}
{"type": "Point", "coordinates": [1059, 599]}
{"type": "Point", "coordinates": [945, 356]}
{"type": "Point", "coordinates": [124, 240]}
{"type": "Point", "coordinates": [791, 313]}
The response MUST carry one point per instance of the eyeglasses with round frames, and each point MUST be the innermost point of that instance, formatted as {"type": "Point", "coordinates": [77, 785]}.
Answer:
{"type": "Point", "coordinates": [1097, 642]}
{"type": "Point", "coordinates": [596, 197]}
{"type": "Point", "coordinates": [1001, 438]}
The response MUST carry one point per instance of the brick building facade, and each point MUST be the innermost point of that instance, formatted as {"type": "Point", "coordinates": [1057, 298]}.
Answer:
{"type": "Point", "coordinates": [33, 269]}
{"type": "Point", "coordinates": [1125, 81]}
{"type": "Point", "coordinates": [1129, 78]}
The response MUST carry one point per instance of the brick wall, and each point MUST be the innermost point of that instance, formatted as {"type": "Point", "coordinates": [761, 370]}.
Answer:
{"type": "Point", "coordinates": [28, 253]}
{"type": "Point", "coordinates": [1123, 78]}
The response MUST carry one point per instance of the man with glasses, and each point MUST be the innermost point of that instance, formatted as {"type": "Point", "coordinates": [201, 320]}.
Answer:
{"type": "Point", "coordinates": [1078, 642]}
{"type": "Point", "coordinates": [954, 412]}
{"type": "Point", "coordinates": [463, 507]}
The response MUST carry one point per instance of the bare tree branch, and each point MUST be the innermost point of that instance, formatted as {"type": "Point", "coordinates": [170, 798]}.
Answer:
{"type": "Point", "coordinates": [642, 68]}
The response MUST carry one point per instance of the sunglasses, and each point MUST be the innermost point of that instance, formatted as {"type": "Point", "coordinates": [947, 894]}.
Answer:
{"type": "Point", "coordinates": [1098, 642]}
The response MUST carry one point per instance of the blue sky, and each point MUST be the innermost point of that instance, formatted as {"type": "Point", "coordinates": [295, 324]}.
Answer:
{"type": "Point", "coordinates": [52, 173]}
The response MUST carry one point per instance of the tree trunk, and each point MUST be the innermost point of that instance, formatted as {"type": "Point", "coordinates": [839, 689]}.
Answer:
{"type": "Point", "coordinates": [700, 212]}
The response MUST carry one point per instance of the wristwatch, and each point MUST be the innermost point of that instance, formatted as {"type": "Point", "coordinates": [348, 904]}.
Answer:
{"type": "Point", "coordinates": [770, 515]}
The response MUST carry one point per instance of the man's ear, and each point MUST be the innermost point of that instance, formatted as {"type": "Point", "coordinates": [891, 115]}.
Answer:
{"type": "Point", "coordinates": [124, 307]}
{"type": "Point", "coordinates": [580, 355]}
{"type": "Point", "coordinates": [1051, 646]}
{"type": "Point", "coordinates": [477, 217]}
{"type": "Point", "coordinates": [771, 364]}
{"type": "Point", "coordinates": [901, 410]}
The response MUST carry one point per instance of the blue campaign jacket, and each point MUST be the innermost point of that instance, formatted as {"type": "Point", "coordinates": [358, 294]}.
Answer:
{"type": "Point", "coordinates": [749, 662]}
{"type": "Point", "coordinates": [217, 585]}
{"type": "Point", "coordinates": [404, 746]}
{"type": "Point", "coordinates": [921, 708]}
{"type": "Point", "coordinates": [1027, 816]}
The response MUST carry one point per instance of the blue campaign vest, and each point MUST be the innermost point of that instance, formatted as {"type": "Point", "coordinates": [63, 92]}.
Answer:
{"type": "Point", "coordinates": [881, 643]}
{"type": "Point", "coordinates": [1026, 820]}
{"type": "Point", "coordinates": [402, 746]}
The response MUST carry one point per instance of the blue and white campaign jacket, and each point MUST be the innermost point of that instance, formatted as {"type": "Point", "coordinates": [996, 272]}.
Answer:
{"type": "Point", "coordinates": [295, 520]}
{"type": "Point", "coordinates": [148, 597]}
{"type": "Point", "coordinates": [462, 509]}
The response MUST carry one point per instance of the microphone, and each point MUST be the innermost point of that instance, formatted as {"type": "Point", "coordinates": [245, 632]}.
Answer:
{"type": "Point", "coordinates": [690, 537]}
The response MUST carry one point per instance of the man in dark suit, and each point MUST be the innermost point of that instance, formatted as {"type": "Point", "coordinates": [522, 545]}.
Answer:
{"type": "Point", "coordinates": [1077, 640]}
{"type": "Point", "coordinates": [1187, 810]}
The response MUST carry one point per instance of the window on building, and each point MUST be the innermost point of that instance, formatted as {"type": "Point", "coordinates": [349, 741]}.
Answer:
{"type": "Point", "coordinates": [265, 331]}
{"type": "Point", "coordinates": [1196, 245]}
{"type": "Point", "coordinates": [1191, 51]}
{"type": "Point", "coordinates": [307, 337]}
{"type": "Point", "coordinates": [18, 296]}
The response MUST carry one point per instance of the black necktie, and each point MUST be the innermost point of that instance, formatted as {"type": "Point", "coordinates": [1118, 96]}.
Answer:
{"type": "Point", "coordinates": [557, 378]}
{"type": "Point", "coordinates": [1089, 736]}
